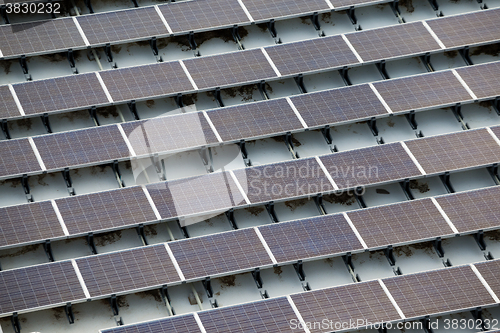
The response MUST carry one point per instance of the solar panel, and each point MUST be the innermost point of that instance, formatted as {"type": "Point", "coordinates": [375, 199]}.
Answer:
{"type": "Point", "coordinates": [472, 210]}
{"type": "Point", "coordinates": [467, 29]}
{"type": "Point", "coordinates": [307, 238]}
{"type": "Point", "coordinates": [195, 195]}
{"type": "Point", "coordinates": [388, 162]}
{"type": "Point", "coordinates": [8, 107]}
{"type": "Point", "coordinates": [395, 41]}
{"type": "Point", "coordinates": [268, 316]}
{"type": "Point", "coordinates": [146, 81]}
{"type": "Point", "coordinates": [86, 146]}
{"type": "Point", "coordinates": [438, 291]}
{"type": "Point", "coordinates": [496, 131]}
{"type": "Point", "coordinates": [399, 223]}
{"type": "Point", "coordinates": [455, 151]}
{"type": "Point", "coordinates": [283, 180]}
{"type": "Point", "coordinates": [122, 25]}
{"type": "Point", "coordinates": [483, 80]}
{"type": "Point", "coordinates": [178, 324]}
{"type": "Point", "coordinates": [67, 92]}
{"type": "Point", "coordinates": [144, 267]}
{"type": "Point", "coordinates": [37, 286]}
{"type": "Point", "coordinates": [17, 158]}
{"type": "Point", "coordinates": [105, 210]}
{"type": "Point", "coordinates": [338, 105]}
{"type": "Point", "coordinates": [348, 3]}
{"type": "Point", "coordinates": [230, 68]}
{"type": "Point", "coordinates": [365, 301]}
{"type": "Point", "coordinates": [31, 222]}
{"type": "Point", "coordinates": [39, 36]}
{"type": "Point", "coordinates": [204, 14]}
{"type": "Point", "coordinates": [422, 91]}
{"type": "Point", "coordinates": [489, 270]}
{"type": "Point", "coordinates": [254, 120]}
{"type": "Point", "coordinates": [220, 253]}
{"type": "Point", "coordinates": [265, 10]}
{"type": "Point", "coordinates": [169, 133]}
{"type": "Point", "coordinates": [311, 55]}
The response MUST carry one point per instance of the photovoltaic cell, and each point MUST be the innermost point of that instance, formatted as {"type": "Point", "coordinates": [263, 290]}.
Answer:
{"type": "Point", "coordinates": [158, 79]}
{"type": "Point", "coordinates": [39, 36]}
{"type": "Point", "coordinates": [221, 253]}
{"type": "Point", "coordinates": [467, 29]}
{"type": "Point", "coordinates": [338, 105]}
{"type": "Point", "coordinates": [230, 68]}
{"type": "Point", "coordinates": [8, 107]}
{"type": "Point", "coordinates": [472, 210]}
{"type": "Point", "coordinates": [311, 55]}
{"type": "Point", "coordinates": [371, 165]}
{"type": "Point", "coordinates": [489, 270]}
{"type": "Point", "coordinates": [254, 119]}
{"type": "Point", "coordinates": [399, 223]}
{"type": "Point", "coordinates": [17, 157]}
{"type": "Point", "coordinates": [348, 3]}
{"type": "Point", "coordinates": [68, 92]}
{"type": "Point", "coordinates": [483, 80]}
{"type": "Point", "coordinates": [307, 238]}
{"type": "Point", "coordinates": [422, 91]}
{"type": "Point", "coordinates": [204, 14]}
{"type": "Point", "coordinates": [365, 301]}
{"type": "Point", "coordinates": [395, 41]}
{"type": "Point", "coordinates": [122, 25]}
{"type": "Point", "coordinates": [496, 131]}
{"type": "Point", "coordinates": [105, 210]}
{"type": "Point", "coordinates": [283, 180]}
{"type": "Point", "coordinates": [455, 151]}
{"type": "Point", "coordinates": [438, 291]}
{"type": "Point", "coordinates": [263, 10]}
{"type": "Point", "coordinates": [31, 222]}
{"type": "Point", "coordinates": [144, 267]}
{"type": "Point", "coordinates": [91, 145]}
{"type": "Point", "coordinates": [178, 324]}
{"type": "Point", "coordinates": [164, 134]}
{"type": "Point", "coordinates": [37, 286]}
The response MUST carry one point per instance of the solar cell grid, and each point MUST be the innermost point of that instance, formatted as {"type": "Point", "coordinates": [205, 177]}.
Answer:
{"type": "Point", "coordinates": [8, 107]}
{"type": "Point", "coordinates": [311, 55]}
{"type": "Point", "coordinates": [17, 157]}
{"type": "Point", "coordinates": [422, 91]}
{"type": "Point", "coordinates": [92, 145]}
{"type": "Point", "coordinates": [483, 80]}
{"type": "Point", "coordinates": [307, 238]}
{"type": "Point", "coordinates": [489, 271]}
{"type": "Point", "coordinates": [455, 151]}
{"type": "Point", "coordinates": [496, 131]}
{"type": "Point", "coordinates": [179, 324]}
{"type": "Point", "coordinates": [263, 10]}
{"type": "Point", "coordinates": [338, 105]}
{"type": "Point", "coordinates": [134, 269]}
{"type": "Point", "coordinates": [438, 291]}
{"type": "Point", "coordinates": [348, 3]}
{"type": "Point", "coordinates": [371, 165]}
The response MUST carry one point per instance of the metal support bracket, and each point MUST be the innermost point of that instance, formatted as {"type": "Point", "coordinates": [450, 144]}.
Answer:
{"type": "Point", "coordinates": [68, 310]}
{"type": "Point", "coordinates": [48, 250]}
{"type": "Point", "coordinates": [446, 182]}
{"type": "Point", "coordinates": [236, 36]}
{"type": "Point", "coordinates": [290, 146]}
{"type": "Point", "coordinates": [405, 185]}
{"type": "Point", "coordinates": [299, 269]}
{"type": "Point", "coordinates": [438, 246]}
{"type": "Point", "coordinates": [154, 48]}
{"type": "Point", "coordinates": [496, 105]}
{"type": "Point", "coordinates": [493, 170]}
{"type": "Point", "coordinates": [118, 174]}
{"type": "Point", "coordinates": [135, 3]}
{"type": "Point", "coordinates": [91, 243]}
{"type": "Point", "coordinates": [479, 237]}
{"type": "Point", "coordinates": [244, 153]}
{"type": "Point", "coordinates": [411, 119]}
{"type": "Point", "coordinates": [218, 98]}
{"type": "Point", "coordinates": [16, 325]}
{"type": "Point", "coordinates": [434, 5]}
{"type": "Point", "coordinates": [114, 305]}
{"type": "Point", "coordinates": [352, 15]}
{"type": "Point", "coordinates": [426, 59]}
{"type": "Point", "coordinates": [183, 230]}
{"type": "Point", "coordinates": [24, 66]}
{"type": "Point", "coordinates": [192, 44]}
{"type": "Point", "coordinates": [69, 183]}
{"type": "Point", "coordinates": [299, 80]}
{"type": "Point", "coordinates": [263, 90]}
{"type": "Point", "coordinates": [3, 13]}
{"type": "Point", "coordinates": [465, 55]}
{"type": "Point", "coordinates": [89, 6]}
{"type": "Point", "coordinates": [133, 109]}
{"type": "Point", "coordinates": [359, 197]}
{"type": "Point", "coordinates": [142, 235]}
{"type": "Point", "coordinates": [389, 254]}
{"type": "Point", "coordinates": [345, 76]}
{"type": "Point", "coordinates": [207, 284]}
{"type": "Point", "coordinates": [109, 53]}
{"type": "Point", "coordinates": [207, 158]}
{"type": "Point", "coordinates": [26, 187]}
{"type": "Point", "coordinates": [257, 278]}
{"type": "Point", "coordinates": [350, 267]}
{"type": "Point", "coordinates": [396, 11]}
{"type": "Point", "coordinates": [477, 313]}
{"type": "Point", "coordinates": [179, 101]}
{"type": "Point", "coordinates": [372, 124]}
{"type": "Point", "coordinates": [457, 111]}
{"type": "Point", "coordinates": [46, 122]}
{"type": "Point", "coordinates": [426, 324]}
{"type": "Point", "coordinates": [93, 115]}
{"type": "Point", "coordinates": [382, 70]}
{"type": "Point", "coordinates": [318, 200]}
{"type": "Point", "coordinates": [272, 212]}
{"type": "Point", "coordinates": [71, 59]}
{"type": "Point", "coordinates": [315, 21]}
{"type": "Point", "coordinates": [272, 29]}
{"type": "Point", "coordinates": [230, 219]}
{"type": "Point", "coordinates": [5, 129]}
{"type": "Point", "coordinates": [166, 299]}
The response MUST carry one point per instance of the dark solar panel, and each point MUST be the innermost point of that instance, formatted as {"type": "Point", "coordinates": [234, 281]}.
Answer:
{"type": "Point", "coordinates": [144, 267]}
{"type": "Point", "coordinates": [159, 79]}
{"type": "Point", "coordinates": [36, 286]}
{"type": "Point", "coordinates": [264, 10]}
{"type": "Point", "coordinates": [230, 68]}
{"type": "Point", "coordinates": [122, 25]}
{"type": "Point", "coordinates": [178, 324]}
{"type": "Point", "coordinates": [422, 91]}
{"type": "Point", "coordinates": [438, 291]}
{"type": "Point", "coordinates": [68, 92]}
{"type": "Point", "coordinates": [455, 151]}
{"type": "Point", "coordinates": [365, 301]}
{"type": "Point", "coordinates": [496, 131]}
{"type": "Point", "coordinates": [467, 29]}
{"type": "Point", "coordinates": [399, 223]}
{"type": "Point", "coordinates": [472, 210]}
{"type": "Point", "coordinates": [8, 107]}
{"type": "Point", "coordinates": [283, 180]}
{"type": "Point", "coordinates": [17, 157]}
{"type": "Point", "coordinates": [371, 165]}
{"type": "Point", "coordinates": [254, 119]}
{"type": "Point", "coordinates": [268, 316]}
{"type": "Point", "coordinates": [311, 55]}
{"type": "Point", "coordinates": [483, 80]}
{"type": "Point", "coordinates": [338, 105]}
{"type": "Point", "coordinates": [91, 145]}
{"type": "Point", "coordinates": [39, 36]}
{"type": "Point", "coordinates": [28, 223]}
{"type": "Point", "coordinates": [212, 192]}
{"type": "Point", "coordinates": [348, 3]}
{"type": "Point", "coordinates": [203, 14]}
{"type": "Point", "coordinates": [490, 272]}
{"type": "Point", "coordinates": [105, 210]}
{"type": "Point", "coordinates": [390, 42]}
{"type": "Point", "coordinates": [307, 238]}
{"type": "Point", "coordinates": [221, 253]}
{"type": "Point", "coordinates": [169, 133]}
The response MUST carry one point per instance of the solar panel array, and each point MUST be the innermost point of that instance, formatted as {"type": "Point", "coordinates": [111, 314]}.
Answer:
{"type": "Point", "coordinates": [489, 271]}
{"type": "Point", "coordinates": [264, 10]}
{"type": "Point", "coordinates": [483, 80]}
{"type": "Point", "coordinates": [178, 324]}
{"type": "Point", "coordinates": [17, 158]}
{"type": "Point", "coordinates": [348, 3]}
{"type": "Point", "coordinates": [8, 107]}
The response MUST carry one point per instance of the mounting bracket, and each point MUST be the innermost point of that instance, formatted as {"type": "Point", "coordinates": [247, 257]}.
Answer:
{"type": "Point", "coordinates": [89, 6]}
{"type": "Point", "coordinates": [290, 146]}
{"type": "Point", "coordinates": [382, 70]}
{"type": "Point", "coordinates": [140, 232]}
{"type": "Point", "coordinates": [93, 115]}
{"type": "Point", "coordinates": [46, 122]}
{"type": "Point", "coordinates": [24, 66]}
{"type": "Point", "coordinates": [345, 76]}
{"type": "Point", "coordinates": [5, 129]}
{"type": "Point", "coordinates": [114, 305]}
{"type": "Point", "coordinates": [438, 246]}
{"type": "Point", "coordinates": [183, 229]}
{"type": "Point", "coordinates": [230, 218]}
{"type": "Point", "coordinates": [68, 310]}
{"type": "Point", "coordinates": [26, 187]}
{"type": "Point", "coordinates": [372, 124]}
{"type": "Point", "coordinates": [272, 212]}
{"type": "Point", "coordinates": [359, 198]}
{"type": "Point", "coordinates": [479, 237]}
{"type": "Point", "coordinates": [457, 111]}
{"type": "Point", "coordinates": [218, 97]}
{"type": "Point", "coordinates": [135, 3]}
{"type": "Point", "coordinates": [426, 59]}
{"type": "Point", "coordinates": [236, 36]}
{"type": "Point", "coordinates": [48, 250]}
{"type": "Point", "coordinates": [299, 80]}
{"type": "Point", "coordinates": [434, 5]}
{"type": "Point", "coordinates": [166, 298]}
{"type": "Point", "coordinates": [318, 200]}
{"type": "Point", "coordinates": [299, 269]}
{"type": "Point", "coordinates": [411, 119]}
{"type": "Point", "coordinates": [389, 254]}
{"type": "Point", "coordinates": [3, 13]}
{"type": "Point", "coordinates": [244, 153]}
{"type": "Point", "coordinates": [446, 182]}
{"type": "Point", "coordinates": [133, 109]}
{"type": "Point", "coordinates": [272, 29]}
{"type": "Point", "coordinates": [426, 324]}
{"type": "Point", "coordinates": [493, 170]}
{"type": "Point", "coordinates": [257, 278]}
{"type": "Point", "coordinates": [109, 54]}
{"type": "Point", "coordinates": [71, 59]}
{"type": "Point", "coordinates": [207, 284]}
{"type": "Point", "coordinates": [405, 185]}
{"type": "Point", "coordinates": [477, 313]}
{"type": "Point", "coordinates": [118, 175]}
{"type": "Point", "coordinates": [263, 90]}
{"type": "Point", "coordinates": [352, 15]}
{"type": "Point", "coordinates": [69, 183]}
{"type": "Point", "coordinates": [16, 325]}
{"type": "Point", "coordinates": [178, 101]}
{"type": "Point", "coordinates": [207, 158]}
{"type": "Point", "coordinates": [90, 242]}
{"type": "Point", "coordinates": [315, 21]}
{"type": "Point", "coordinates": [496, 105]}
{"type": "Point", "coordinates": [465, 55]}
{"type": "Point", "coordinates": [396, 11]}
